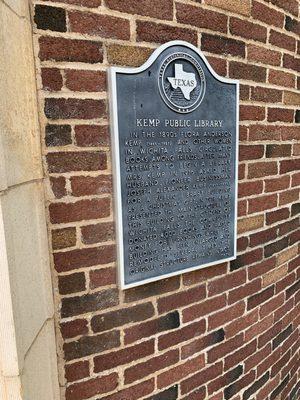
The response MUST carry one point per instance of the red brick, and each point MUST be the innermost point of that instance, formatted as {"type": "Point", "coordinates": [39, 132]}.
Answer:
{"type": "Point", "coordinates": [225, 283]}
{"type": "Point", "coordinates": [240, 355]}
{"type": "Point", "coordinates": [181, 299]}
{"type": "Point", "coordinates": [282, 40]}
{"type": "Point", "coordinates": [61, 49]}
{"type": "Point", "coordinates": [289, 196]}
{"type": "Point", "coordinates": [204, 274]}
{"type": "Point", "coordinates": [268, 362]}
{"type": "Point", "coordinates": [260, 327]}
{"type": "Point", "coordinates": [83, 258]}
{"type": "Point", "coordinates": [201, 343]}
{"type": "Point", "coordinates": [266, 14]}
{"type": "Point", "coordinates": [225, 316]}
{"type": "Point", "coordinates": [102, 277]}
{"type": "Point", "coordinates": [85, 3]}
{"type": "Point", "coordinates": [58, 186]}
{"type": "Point", "coordinates": [181, 371]}
{"type": "Point", "coordinates": [91, 185]}
{"type": "Point", "coordinates": [139, 371]}
{"type": "Point", "coordinates": [133, 392]}
{"type": "Point", "coordinates": [251, 152]}
{"type": "Point", "coordinates": [240, 384]}
{"type": "Point", "coordinates": [51, 79]}
{"type": "Point", "coordinates": [296, 179]}
{"type": "Point", "coordinates": [247, 71]}
{"type": "Point", "coordinates": [280, 78]}
{"type": "Point", "coordinates": [92, 387]}
{"type": "Point", "coordinates": [244, 291]}
{"type": "Point", "coordinates": [264, 132]}
{"type": "Point", "coordinates": [261, 169]}
{"type": "Point", "coordinates": [241, 324]}
{"type": "Point", "coordinates": [74, 108]}
{"type": "Point", "coordinates": [99, 25]}
{"type": "Point", "coordinates": [198, 394]}
{"type": "Point", "coordinates": [263, 236]}
{"type": "Point", "coordinates": [291, 62]}
{"type": "Point", "coordinates": [252, 113]}
{"type": "Point", "coordinates": [159, 33]}
{"type": "Point", "coordinates": [92, 135]}
{"type": "Point", "coordinates": [77, 371]}
{"type": "Point", "coordinates": [183, 334]}
{"type": "Point", "coordinates": [224, 380]}
{"type": "Point", "coordinates": [162, 9]}
{"type": "Point", "coordinates": [256, 358]}
{"type": "Point", "coordinates": [260, 298]}
{"type": "Point", "coordinates": [124, 356]}
{"type": "Point", "coordinates": [71, 329]}
{"type": "Point", "coordinates": [289, 165]}
{"type": "Point", "coordinates": [247, 30]}
{"type": "Point", "coordinates": [289, 133]}
{"type": "Point", "coordinates": [206, 307]}
{"type": "Point", "coordinates": [291, 6]}
{"type": "Point", "coordinates": [153, 289]}
{"type": "Point", "coordinates": [262, 203]}
{"type": "Point", "coordinates": [242, 243]}
{"type": "Point", "coordinates": [153, 327]}
{"type": "Point", "coordinates": [222, 45]}
{"type": "Point", "coordinates": [80, 210]}
{"type": "Point", "coordinates": [280, 115]}
{"type": "Point", "coordinates": [278, 215]}
{"type": "Point", "coordinates": [266, 95]}
{"type": "Point", "coordinates": [85, 80]}
{"type": "Point", "coordinates": [242, 208]}
{"type": "Point", "coordinates": [271, 305]}
{"type": "Point", "coordinates": [201, 378]}
{"type": "Point", "coordinates": [201, 18]}
{"type": "Point", "coordinates": [60, 162]}
{"type": "Point", "coordinates": [276, 184]}
{"type": "Point", "coordinates": [222, 349]}
{"type": "Point", "coordinates": [218, 64]}
{"type": "Point", "coordinates": [244, 95]}
{"type": "Point", "coordinates": [250, 188]}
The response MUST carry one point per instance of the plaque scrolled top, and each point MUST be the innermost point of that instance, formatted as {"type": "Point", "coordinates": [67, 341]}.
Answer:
{"type": "Point", "coordinates": [174, 125]}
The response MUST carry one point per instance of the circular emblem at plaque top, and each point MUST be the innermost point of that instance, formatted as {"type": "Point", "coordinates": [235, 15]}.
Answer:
{"type": "Point", "coordinates": [181, 82]}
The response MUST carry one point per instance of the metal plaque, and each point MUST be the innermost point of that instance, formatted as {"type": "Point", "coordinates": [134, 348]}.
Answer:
{"type": "Point", "coordinates": [175, 145]}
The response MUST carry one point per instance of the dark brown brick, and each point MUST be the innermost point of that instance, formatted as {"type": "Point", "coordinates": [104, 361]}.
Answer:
{"type": "Point", "coordinates": [152, 289]}
{"type": "Point", "coordinates": [266, 95]}
{"type": "Point", "coordinates": [71, 283]}
{"type": "Point", "coordinates": [282, 337]}
{"type": "Point", "coordinates": [238, 385]}
{"type": "Point", "coordinates": [169, 394]}
{"type": "Point", "coordinates": [225, 379]}
{"type": "Point", "coordinates": [289, 165]}
{"type": "Point", "coordinates": [256, 386]}
{"type": "Point", "coordinates": [58, 135]}
{"type": "Point", "coordinates": [222, 45]}
{"type": "Point", "coordinates": [266, 14]}
{"type": "Point", "coordinates": [86, 303]}
{"type": "Point", "coordinates": [159, 33]}
{"type": "Point", "coordinates": [291, 62]}
{"type": "Point", "coordinates": [102, 277]}
{"type": "Point", "coordinates": [291, 6]}
{"type": "Point", "coordinates": [133, 392]}
{"type": "Point", "coordinates": [60, 162]}
{"type": "Point", "coordinates": [61, 49]}
{"type": "Point", "coordinates": [85, 3]}
{"type": "Point", "coordinates": [99, 25]}
{"type": "Point", "coordinates": [280, 115]}
{"type": "Point", "coordinates": [104, 322]}
{"type": "Point", "coordinates": [276, 247]}
{"type": "Point", "coordinates": [87, 345]}
{"type": "Point", "coordinates": [74, 108]}
{"type": "Point", "coordinates": [62, 238]}
{"type": "Point", "coordinates": [276, 150]}
{"type": "Point", "coordinates": [50, 18]}
{"type": "Point", "coordinates": [202, 343]}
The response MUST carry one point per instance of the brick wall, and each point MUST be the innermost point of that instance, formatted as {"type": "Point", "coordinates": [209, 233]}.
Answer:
{"type": "Point", "coordinates": [227, 331]}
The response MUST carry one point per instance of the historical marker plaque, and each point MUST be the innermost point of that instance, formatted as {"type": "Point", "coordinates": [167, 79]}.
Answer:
{"type": "Point", "coordinates": [175, 142]}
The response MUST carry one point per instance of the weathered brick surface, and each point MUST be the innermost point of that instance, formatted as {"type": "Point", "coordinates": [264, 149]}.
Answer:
{"type": "Point", "coordinates": [229, 331]}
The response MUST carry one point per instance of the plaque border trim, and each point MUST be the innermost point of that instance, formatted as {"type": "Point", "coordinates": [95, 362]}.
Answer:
{"type": "Point", "coordinates": [115, 148]}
